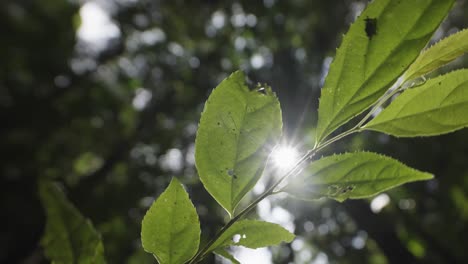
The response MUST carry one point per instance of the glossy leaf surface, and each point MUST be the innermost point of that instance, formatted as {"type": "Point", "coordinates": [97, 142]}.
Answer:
{"type": "Point", "coordinates": [436, 107]}
{"type": "Point", "coordinates": [377, 49]}
{"type": "Point", "coordinates": [352, 176]}
{"type": "Point", "coordinates": [237, 130]}
{"type": "Point", "coordinates": [171, 229]}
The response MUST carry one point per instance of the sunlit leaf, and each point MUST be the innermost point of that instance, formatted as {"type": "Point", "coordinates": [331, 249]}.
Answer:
{"type": "Point", "coordinates": [352, 175]}
{"type": "Point", "coordinates": [68, 237]}
{"type": "Point", "coordinates": [238, 129]}
{"type": "Point", "coordinates": [253, 234]}
{"type": "Point", "coordinates": [377, 49]}
{"type": "Point", "coordinates": [439, 54]}
{"type": "Point", "coordinates": [171, 229]}
{"type": "Point", "coordinates": [436, 107]}
{"type": "Point", "coordinates": [223, 253]}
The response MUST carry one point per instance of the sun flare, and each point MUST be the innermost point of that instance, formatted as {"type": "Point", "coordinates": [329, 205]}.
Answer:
{"type": "Point", "coordinates": [284, 157]}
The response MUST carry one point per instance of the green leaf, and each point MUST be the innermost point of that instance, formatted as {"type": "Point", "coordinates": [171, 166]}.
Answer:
{"type": "Point", "coordinates": [223, 253]}
{"type": "Point", "coordinates": [170, 229]}
{"type": "Point", "coordinates": [237, 130]}
{"type": "Point", "coordinates": [352, 175]}
{"type": "Point", "coordinates": [436, 107]}
{"type": "Point", "coordinates": [377, 49]}
{"type": "Point", "coordinates": [252, 234]}
{"type": "Point", "coordinates": [439, 54]}
{"type": "Point", "coordinates": [68, 237]}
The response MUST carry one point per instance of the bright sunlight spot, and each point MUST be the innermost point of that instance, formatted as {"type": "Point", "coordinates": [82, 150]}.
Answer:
{"type": "Point", "coordinates": [379, 202]}
{"type": "Point", "coordinates": [96, 25]}
{"type": "Point", "coordinates": [284, 157]}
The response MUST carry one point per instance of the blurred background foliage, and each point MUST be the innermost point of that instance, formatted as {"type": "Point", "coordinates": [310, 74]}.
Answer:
{"type": "Point", "coordinates": [104, 96]}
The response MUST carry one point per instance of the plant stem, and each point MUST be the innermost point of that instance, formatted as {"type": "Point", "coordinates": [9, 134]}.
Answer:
{"type": "Point", "coordinates": [295, 169]}
{"type": "Point", "coordinates": [338, 137]}
{"type": "Point", "coordinates": [399, 86]}
{"type": "Point", "coordinates": [358, 127]}
{"type": "Point", "coordinates": [379, 103]}
{"type": "Point", "coordinates": [304, 160]}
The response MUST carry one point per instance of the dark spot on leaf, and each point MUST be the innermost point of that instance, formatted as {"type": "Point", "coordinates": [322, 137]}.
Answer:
{"type": "Point", "coordinates": [230, 172]}
{"type": "Point", "coordinates": [336, 190]}
{"type": "Point", "coordinates": [440, 83]}
{"type": "Point", "coordinates": [347, 189]}
{"type": "Point", "coordinates": [371, 27]}
{"type": "Point", "coordinates": [235, 176]}
{"type": "Point", "coordinates": [219, 123]}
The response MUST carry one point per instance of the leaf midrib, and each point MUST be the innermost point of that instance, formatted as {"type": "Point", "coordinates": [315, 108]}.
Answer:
{"type": "Point", "coordinates": [171, 238]}
{"type": "Point", "coordinates": [379, 180]}
{"type": "Point", "coordinates": [333, 119]}
{"type": "Point", "coordinates": [395, 119]}
{"type": "Point", "coordinates": [239, 129]}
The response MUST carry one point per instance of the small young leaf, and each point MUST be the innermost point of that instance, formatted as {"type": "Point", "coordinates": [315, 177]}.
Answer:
{"type": "Point", "coordinates": [439, 54]}
{"type": "Point", "coordinates": [352, 175]}
{"type": "Point", "coordinates": [223, 253]}
{"type": "Point", "coordinates": [68, 237]}
{"type": "Point", "coordinates": [237, 130]}
{"type": "Point", "coordinates": [436, 107]}
{"type": "Point", "coordinates": [252, 234]}
{"type": "Point", "coordinates": [377, 49]}
{"type": "Point", "coordinates": [171, 229]}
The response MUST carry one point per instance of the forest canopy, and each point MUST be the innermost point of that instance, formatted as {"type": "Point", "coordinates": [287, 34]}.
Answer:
{"type": "Point", "coordinates": [104, 98]}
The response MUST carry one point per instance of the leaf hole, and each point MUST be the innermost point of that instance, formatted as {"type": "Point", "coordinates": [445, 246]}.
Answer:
{"type": "Point", "coordinates": [236, 238]}
{"type": "Point", "coordinates": [371, 27]}
{"type": "Point", "coordinates": [336, 190]}
{"type": "Point", "coordinates": [347, 189]}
